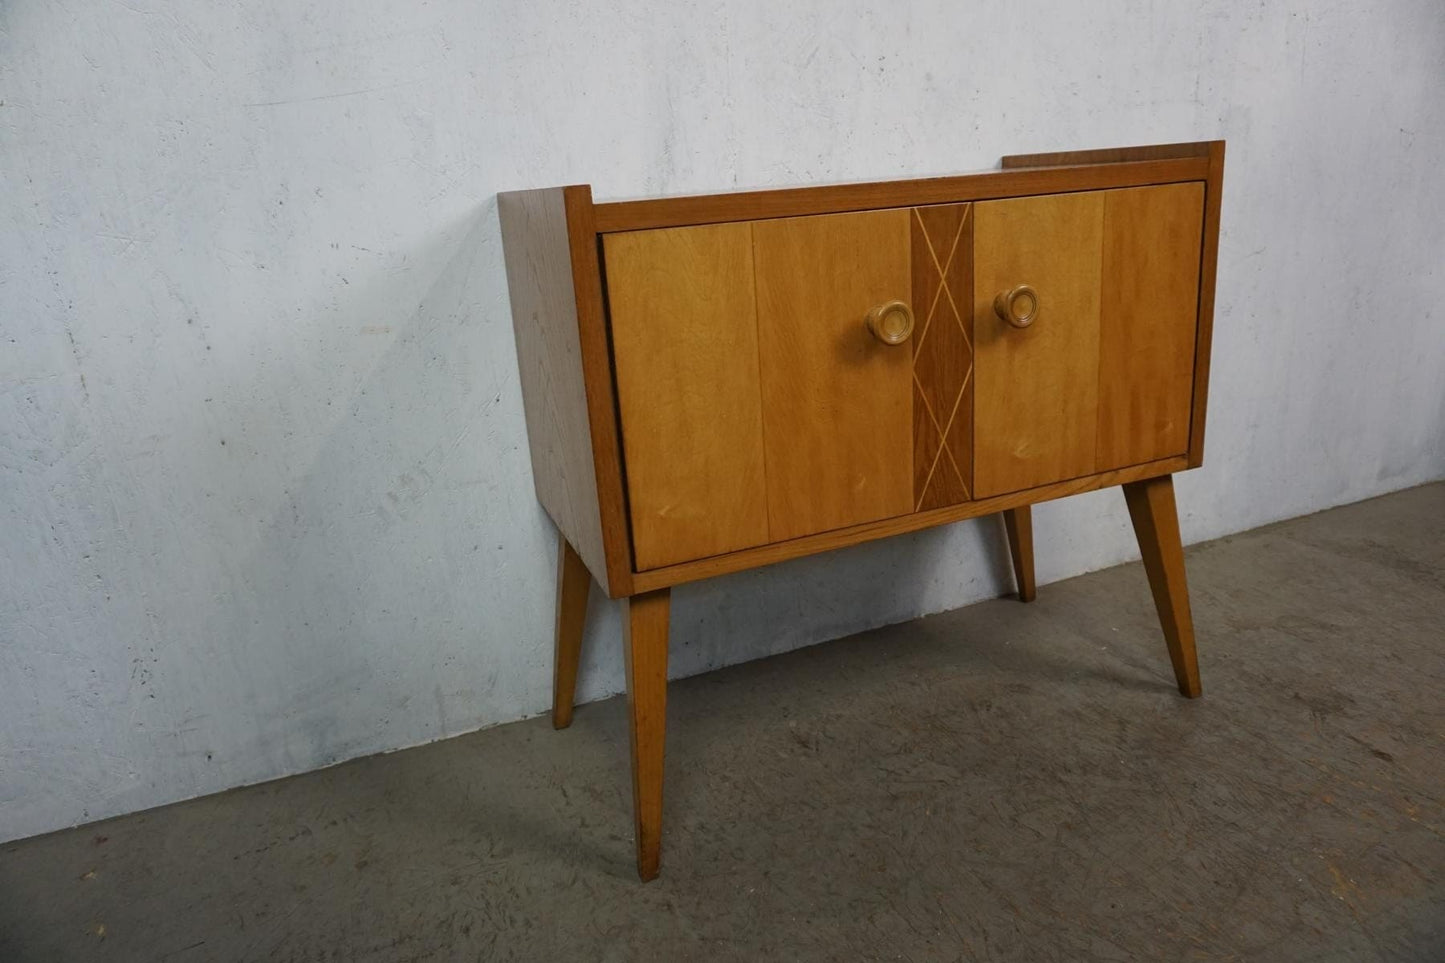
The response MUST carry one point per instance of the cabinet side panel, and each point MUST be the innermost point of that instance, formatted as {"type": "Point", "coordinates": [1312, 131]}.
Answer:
{"type": "Point", "coordinates": [1208, 264]}
{"type": "Point", "coordinates": [1036, 388]}
{"type": "Point", "coordinates": [544, 318]}
{"type": "Point", "coordinates": [837, 402]}
{"type": "Point", "coordinates": [685, 342]}
{"type": "Point", "coordinates": [1148, 313]}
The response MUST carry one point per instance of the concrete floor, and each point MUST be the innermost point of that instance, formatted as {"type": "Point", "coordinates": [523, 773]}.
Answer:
{"type": "Point", "coordinates": [1003, 782]}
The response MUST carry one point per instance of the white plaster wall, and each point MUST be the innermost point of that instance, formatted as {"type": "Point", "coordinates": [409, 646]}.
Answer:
{"type": "Point", "coordinates": [264, 495]}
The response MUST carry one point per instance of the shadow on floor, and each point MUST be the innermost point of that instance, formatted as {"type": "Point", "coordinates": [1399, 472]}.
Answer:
{"type": "Point", "coordinates": [1003, 782]}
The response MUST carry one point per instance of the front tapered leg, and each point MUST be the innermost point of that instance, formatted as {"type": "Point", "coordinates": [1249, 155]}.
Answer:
{"type": "Point", "coordinates": [1019, 524]}
{"type": "Point", "coordinates": [573, 583]}
{"type": "Point", "coordinates": [1156, 524]}
{"type": "Point", "coordinates": [645, 636]}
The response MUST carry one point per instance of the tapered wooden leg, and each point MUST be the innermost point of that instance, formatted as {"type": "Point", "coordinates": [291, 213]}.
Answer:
{"type": "Point", "coordinates": [573, 583]}
{"type": "Point", "coordinates": [1156, 524]}
{"type": "Point", "coordinates": [1019, 523]}
{"type": "Point", "coordinates": [645, 635]}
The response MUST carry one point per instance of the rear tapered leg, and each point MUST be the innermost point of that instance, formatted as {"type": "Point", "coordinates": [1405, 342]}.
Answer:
{"type": "Point", "coordinates": [1156, 524]}
{"type": "Point", "coordinates": [573, 583]}
{"type": "Point", "coordinates": [644, 627]}
{"type": "Point", "coordinates": [1019, 523]}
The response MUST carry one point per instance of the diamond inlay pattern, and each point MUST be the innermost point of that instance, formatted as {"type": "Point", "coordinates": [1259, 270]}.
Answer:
{"type": "Point", "coordinates": [942, 355]}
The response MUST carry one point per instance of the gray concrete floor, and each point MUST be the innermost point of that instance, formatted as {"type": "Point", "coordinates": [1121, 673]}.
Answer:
{"type": "Point", "coordinates": [1003, 782]}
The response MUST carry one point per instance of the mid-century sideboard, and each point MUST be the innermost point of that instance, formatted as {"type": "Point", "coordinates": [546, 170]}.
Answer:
{"type": "Point", "coordinates": [720, 382]}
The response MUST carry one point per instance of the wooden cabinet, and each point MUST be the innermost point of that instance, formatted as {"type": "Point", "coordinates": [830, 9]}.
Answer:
{"type": "Point", "coordinates": [756, 408]}
{"type": "Point", "coordinates": [716, 383]}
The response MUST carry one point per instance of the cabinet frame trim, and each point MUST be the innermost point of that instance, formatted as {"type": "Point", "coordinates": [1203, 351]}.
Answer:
{"type": "Point", "coordinates": [641, 215]}
{"type": "Point", "coordinates": [749, 558]}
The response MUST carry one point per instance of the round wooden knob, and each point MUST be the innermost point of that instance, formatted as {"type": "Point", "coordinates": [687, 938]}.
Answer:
{"type": "Point", "coordinates": [891, 323]}
{"type": "Point", "coordinates": [1018, 305]}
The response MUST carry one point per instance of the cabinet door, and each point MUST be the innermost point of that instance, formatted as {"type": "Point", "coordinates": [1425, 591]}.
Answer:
{"type": "Point", "coordinates": [755, 403]}
{"type": "Point", "coordinates": [1148, 316]}
{"type": "Point", "coordinates": [685, 347]}
{"type": "Point", "coordinates": [837, 402]}
{"type": "Point", "coordinates": [1036, 396]}
{"type": "Point", "coordinates": [1102, 377]}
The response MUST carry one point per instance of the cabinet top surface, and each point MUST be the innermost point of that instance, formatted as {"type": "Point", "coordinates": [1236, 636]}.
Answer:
{"type": "Point", "coordinates": [1021, 174]}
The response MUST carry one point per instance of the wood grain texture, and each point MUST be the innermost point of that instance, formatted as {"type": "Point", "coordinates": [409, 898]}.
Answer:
{"type": "Point", "coordinates": [837, 402]}
{"type": "Point", "coordinates": [839, 198]}
{"type": "Point", "coordinates": [1156, 524]}
{"type": "Point", "coordinates": [1149, 303]}
{"type": "Point", "coordinates": [1018, 525]}
{"type": "Point", "coordinates": [573, 585]}
{"type": "Point", "coordinates": [550, 356]}
{"type": "Point", "coordinates": [912, 522]}
{"type": "Point", "coordinates": [1036, 388]}
{"type": "Point", "coordinates": [1108, 155]}
{"type": "Point", "coordinates": [685, 343]}
{"type": "Point", "coordinates": [942, 249]}
{"type": "Point", "coordinates": [1208, 268]}
{"type": "Point", "coordinates": [937, 480]}
{"type": "Point", "coordinates": [645, 641]}
{"type": "Point", "coordinates": [601, 401]}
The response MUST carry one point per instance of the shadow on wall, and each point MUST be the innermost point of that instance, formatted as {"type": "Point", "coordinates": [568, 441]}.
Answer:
{"type": "Point", "coordinates": [823, 597]}
{"type": "Point", "coordinates": [396, 585]}
{"type": "Point", "coordinates": [403, 587]}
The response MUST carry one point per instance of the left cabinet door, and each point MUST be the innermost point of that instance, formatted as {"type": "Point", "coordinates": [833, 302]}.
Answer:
{"type": "Point", "coordinates": [837, 401]}
{"type": "Point", "coordinates": [685, 345]}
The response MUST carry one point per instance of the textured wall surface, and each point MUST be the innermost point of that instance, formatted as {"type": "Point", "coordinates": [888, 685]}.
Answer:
{"type": "Point", "coordinates": [264, 494]}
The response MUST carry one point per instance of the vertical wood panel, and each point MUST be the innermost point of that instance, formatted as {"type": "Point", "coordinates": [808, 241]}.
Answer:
{"type": "Point", "coordinates": [837, 403]}
{"type": "Point", "coordinates": [1149, 305]}
{"type": "Point", "coordinates": [685, 343]}
{"type": "Point", "coordinates": [1036, 394]}
{"type": "Point", "coordinates": [942, 355]}
{"type": "Point", "coordinates": [536, 243]}
{"type": "Point", "coordinates": [1208, 265]}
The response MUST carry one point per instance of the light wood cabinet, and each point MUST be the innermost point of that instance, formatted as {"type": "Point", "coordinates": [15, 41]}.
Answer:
{"type": "Point", "coordinates": [716, 383]}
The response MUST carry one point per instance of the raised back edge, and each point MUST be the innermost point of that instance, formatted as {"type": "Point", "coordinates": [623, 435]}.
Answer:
{"type": "Point", "coordinates": [661, 212]}
{"type": "Point", "coordinates": [1109, 155]}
